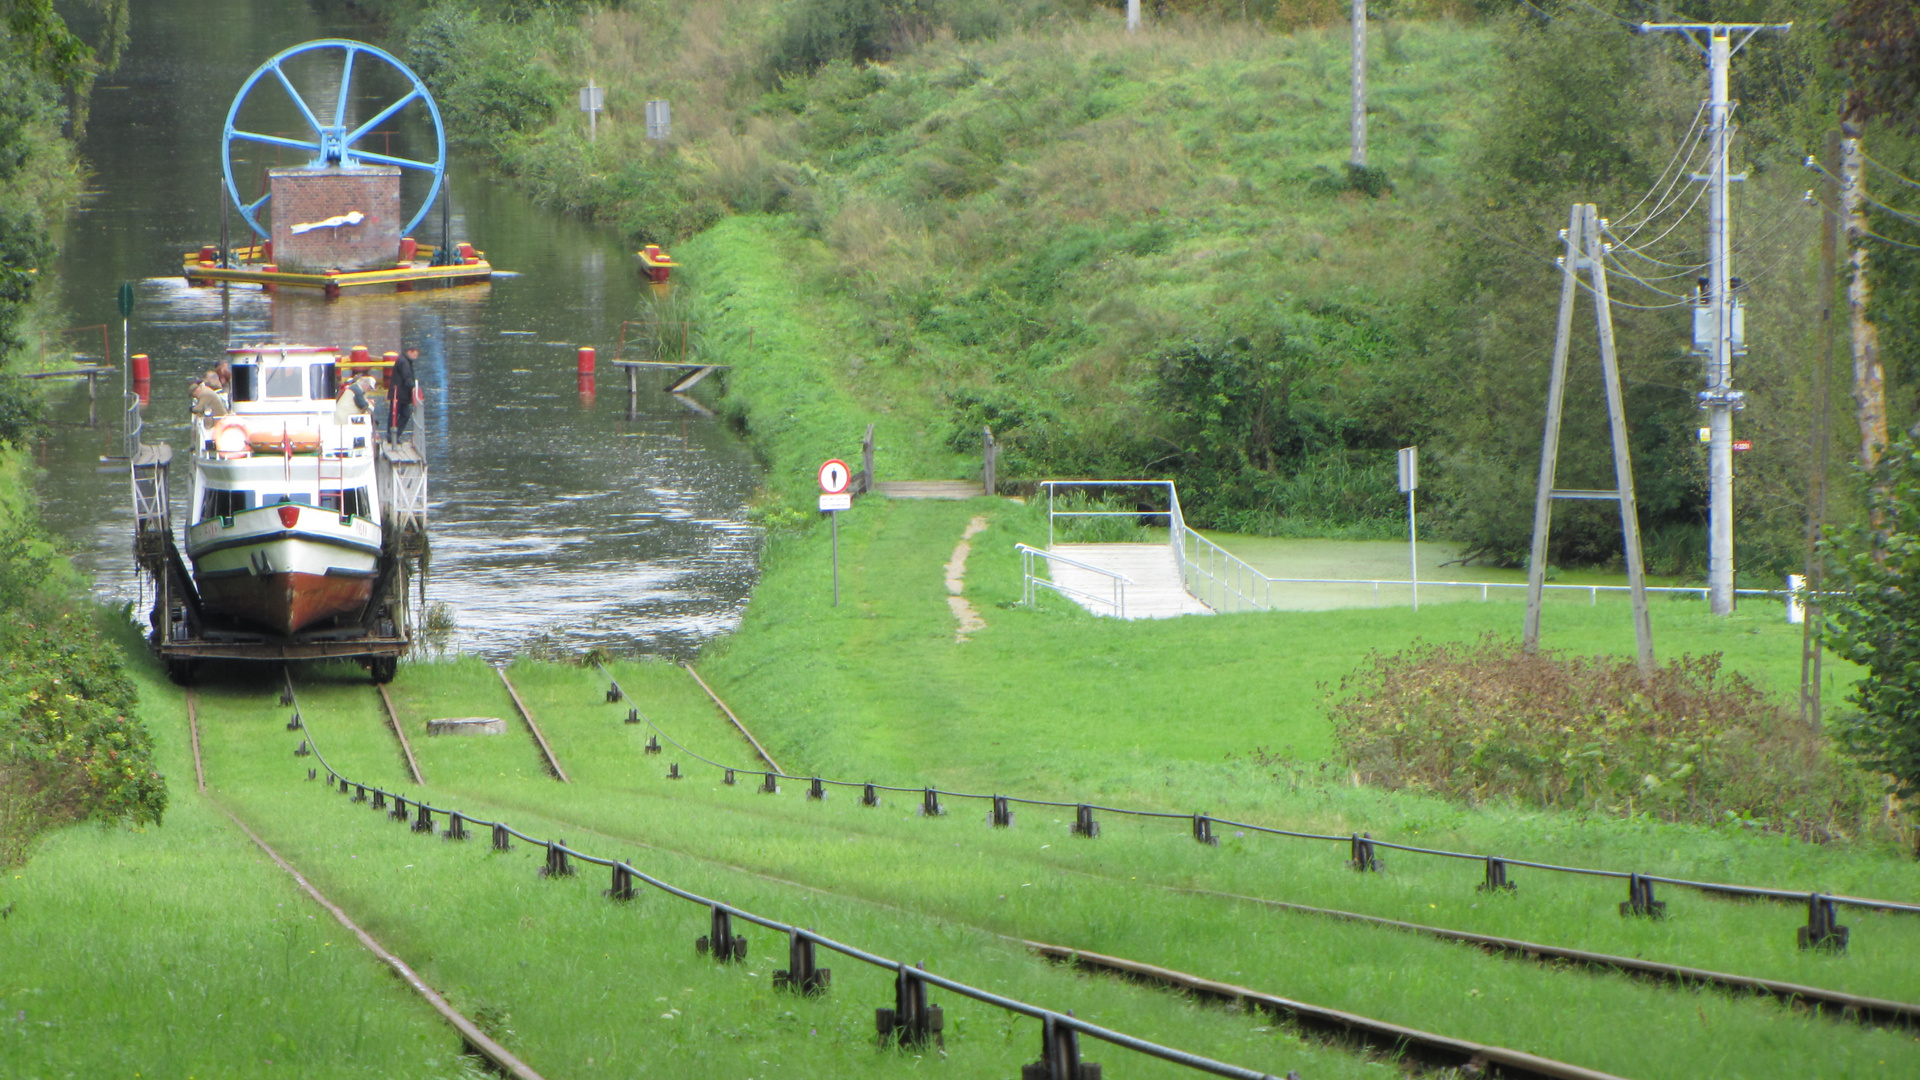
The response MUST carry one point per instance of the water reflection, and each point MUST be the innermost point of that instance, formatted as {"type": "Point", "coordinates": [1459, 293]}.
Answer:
{"type": "Point", "coordinates": [555, 517]}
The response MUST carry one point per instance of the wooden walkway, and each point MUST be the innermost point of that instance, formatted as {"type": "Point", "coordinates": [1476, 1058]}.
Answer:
{"type": "Point", "coordinates": [931, 489]}
{"type": "Point", "coordinates": [1157, 591]}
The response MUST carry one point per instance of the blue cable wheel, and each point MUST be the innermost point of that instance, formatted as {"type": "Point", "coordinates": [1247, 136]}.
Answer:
{"type": "Point", "coordinates": [333, 142]}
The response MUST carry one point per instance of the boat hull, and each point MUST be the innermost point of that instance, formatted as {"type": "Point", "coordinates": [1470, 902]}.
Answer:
{"type": "Point", "coordinates": [286, 603]}
{"type": "Point", "coordinates": [280, 577]}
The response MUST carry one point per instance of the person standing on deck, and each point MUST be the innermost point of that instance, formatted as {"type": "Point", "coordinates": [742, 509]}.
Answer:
{"type": "Point", "coordinates": [403, 384]}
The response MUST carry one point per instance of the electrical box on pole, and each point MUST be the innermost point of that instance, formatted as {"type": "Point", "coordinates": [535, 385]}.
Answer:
{"type": "Point", "coordinates": [1720, 317]}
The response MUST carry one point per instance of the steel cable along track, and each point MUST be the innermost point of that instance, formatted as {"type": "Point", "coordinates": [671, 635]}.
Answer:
{"type": "Point", "coordinates": [1362, 847]}
{"type": "Point", "coordinates": [913, 1020]}
{"type": "Point", "coordinates": [1830, 1003]}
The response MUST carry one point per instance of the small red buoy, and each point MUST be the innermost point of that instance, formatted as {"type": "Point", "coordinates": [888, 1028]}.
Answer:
{"type": "Point", "coordinates": [142, 368]}
{"type": "Point", "coordinates": [586, 360]}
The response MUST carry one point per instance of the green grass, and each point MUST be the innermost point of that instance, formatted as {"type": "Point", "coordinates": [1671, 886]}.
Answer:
{"type": "Point", "coordinates": [1092, 895]}
{"type": "Point", "coordinates": [879, 686]}
{"type": "Point", "coordinates": [181, 951]}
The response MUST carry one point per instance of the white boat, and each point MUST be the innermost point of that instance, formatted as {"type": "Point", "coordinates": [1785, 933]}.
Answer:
{"type": "Point", "coordinates": [284, 527]}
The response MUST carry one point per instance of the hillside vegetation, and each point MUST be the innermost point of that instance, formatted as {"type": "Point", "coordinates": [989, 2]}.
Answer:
{"type": "Point", "coordinates": [1144, 254]}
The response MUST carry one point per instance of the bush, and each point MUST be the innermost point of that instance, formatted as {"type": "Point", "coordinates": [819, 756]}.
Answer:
{"type": "Point", "coordinates": [1874, 618]}
{"type": "Point", "coordinates": [70, 745]}
{"type": "Point", "coordinates": [1486, 720]}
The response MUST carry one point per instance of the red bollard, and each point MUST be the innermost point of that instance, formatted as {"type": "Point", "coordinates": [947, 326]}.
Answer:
{"type": "Point", "coordinates": [386, 373]}
{"type": "Point", "coordinates": [266, 251]}
{"type": "Point", "coordinates": [586, 360]}
{"type": "Point", "coordinates": [586, 390]}
{"type": "Point", "coordinates": [209, 255]}
{"type": "Point", "coordinates": [407, 249]}
{"type": "Point", "coordinates": [142, 374]}
{"type": "Point", "coordinates": [360, 355]}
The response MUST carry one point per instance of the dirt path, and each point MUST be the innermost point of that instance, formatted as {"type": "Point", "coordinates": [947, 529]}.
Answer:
{"type": "Point", "coordinates": [963, 612]}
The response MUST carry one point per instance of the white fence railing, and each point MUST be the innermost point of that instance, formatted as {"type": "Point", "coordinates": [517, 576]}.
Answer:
{"type": "Point", "coordinates": [1225, 582]}
{"type": "Point", "coordinates": [1031, 581]}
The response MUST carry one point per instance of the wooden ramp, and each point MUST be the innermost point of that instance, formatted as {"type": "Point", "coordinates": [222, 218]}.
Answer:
{"type": "Point", "coordinates": [931, 489]}
{"type": "Point", "coordinates": [1156, 592]}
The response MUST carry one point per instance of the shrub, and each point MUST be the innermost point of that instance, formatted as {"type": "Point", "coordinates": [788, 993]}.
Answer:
{"type": "Point", "coordinates": [1487, 720]}
{"type": "Point", "coordinates": [70, 747]}
{"type": "Point", "coordinates": [1874, 617]}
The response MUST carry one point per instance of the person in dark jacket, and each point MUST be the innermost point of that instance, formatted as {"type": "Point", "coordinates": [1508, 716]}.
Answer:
{"type": "Point", "coordinates": [402, 387]}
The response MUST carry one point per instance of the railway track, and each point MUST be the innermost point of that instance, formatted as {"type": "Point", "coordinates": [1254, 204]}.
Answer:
{"type": "Point", "coordinates": [1833, 1004]}
{"type": "Point", "coordinates": [1428, 1049]}
{"type": "Point", "coordinates": [475, 1040]}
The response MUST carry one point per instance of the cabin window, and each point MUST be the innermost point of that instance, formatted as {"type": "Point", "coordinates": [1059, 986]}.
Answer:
{"type": "Point", "coordinates": [321, 377]}
{"type": "Point", "coordinates": [300, 497]}
{"type": "Point", "coordinates": [285, 382]}
{"type": "Point", "coordinates": [245, 383]}
{"type": "Point", "coordinates": [221, 503]}
{"type": "Point", "coordinates": [350, 501]}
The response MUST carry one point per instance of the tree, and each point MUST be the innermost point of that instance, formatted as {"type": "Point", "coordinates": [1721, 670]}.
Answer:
{"type": "Point", "coordinates": [1878, 46]}
{"type": "Point", "coordinates": [1874, 618]}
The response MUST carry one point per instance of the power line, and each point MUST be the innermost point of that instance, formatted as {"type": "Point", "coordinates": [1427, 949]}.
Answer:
{"type": "Point", "coordinates": [1910, 182]}
{"type": "Point", "coordinates": [1682, 148]}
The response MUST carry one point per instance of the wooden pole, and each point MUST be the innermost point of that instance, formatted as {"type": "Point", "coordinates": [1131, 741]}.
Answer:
{"type": "Point", "coordinates": [1550, 441]}
{"type": "Point", "coordinates": [1869, 379]}
{"type": "Point", "coordinates": [1810, 652]}
{"type": "Point", "coordinates": [1358, 119]}
{"type": "Point", "coordinates": [1622, 453]}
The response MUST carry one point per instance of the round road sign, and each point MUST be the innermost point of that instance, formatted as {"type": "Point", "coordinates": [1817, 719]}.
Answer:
{"type": "Point", "coordinates": [835, 476]}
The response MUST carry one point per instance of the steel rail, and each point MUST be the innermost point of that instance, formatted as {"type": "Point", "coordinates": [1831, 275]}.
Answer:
{"type": "Point", "coordinates": [1439, 1049]}
{"type": "Point", "coordinates": [1719, 888]}
{"type": "Point", "coordinates": [1854, 1007]}
{"type": "Point", "coordinates": [406, 748]}
{"type": "Point", "coordinates": [553, 763]}
{"type": "Point", "coordinates": [900, 968]}
{"type": "Point", "coordinates": [478, 1041]}
{"type": "Point", "coordinates": [757, 748]}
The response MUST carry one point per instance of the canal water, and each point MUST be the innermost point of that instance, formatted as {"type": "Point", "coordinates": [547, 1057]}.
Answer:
{"type": "Point", "coordinates": [558, 520]}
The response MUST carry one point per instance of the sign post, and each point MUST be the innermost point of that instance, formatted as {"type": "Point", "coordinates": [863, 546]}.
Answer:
{"type": "Point", "coordinates": [1409, 481]}
{"type": "Point", "coordinates": [592, 100]}
{"type": "Point", "coordinates": [835, 475]}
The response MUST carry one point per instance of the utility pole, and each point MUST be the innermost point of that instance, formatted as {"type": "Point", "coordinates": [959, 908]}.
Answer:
{"type": "Point", "coordinates": [1586, 250]}
{"type": "Point", "coordinates": [1359, 120]}
{"type": "Point", "coordinates": [1719, 399]}
{"type": "Point", "coordinates": [1869, 380]}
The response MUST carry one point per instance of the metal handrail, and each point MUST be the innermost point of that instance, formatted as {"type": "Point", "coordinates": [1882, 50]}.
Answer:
{"type": "Point", "coordinates": [797, 933]}
{"type": "Point", "coordinates": [1029, 580]}
{"type": "Point", "coordinates": [1238, 578]}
